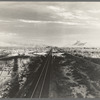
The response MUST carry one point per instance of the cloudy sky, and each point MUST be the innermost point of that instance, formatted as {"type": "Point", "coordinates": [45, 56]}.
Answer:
{"type": "Point", "coordinates": [50, 23]}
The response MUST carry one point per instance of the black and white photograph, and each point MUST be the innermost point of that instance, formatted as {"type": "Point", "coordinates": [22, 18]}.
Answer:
{"type": "Point", "coordinates": [49, 49]}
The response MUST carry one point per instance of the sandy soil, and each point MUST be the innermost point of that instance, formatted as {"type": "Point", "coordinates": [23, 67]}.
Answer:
{"type": "Point", "coordinates": [74, 77]}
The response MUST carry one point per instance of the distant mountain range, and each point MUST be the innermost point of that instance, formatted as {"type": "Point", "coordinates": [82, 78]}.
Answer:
{"type": "Point", "coordinates": [79, 43]}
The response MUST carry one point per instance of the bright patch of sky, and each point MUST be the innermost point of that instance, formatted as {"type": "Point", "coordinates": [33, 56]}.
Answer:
{"type": "Point", "coordinates": [50, 23]}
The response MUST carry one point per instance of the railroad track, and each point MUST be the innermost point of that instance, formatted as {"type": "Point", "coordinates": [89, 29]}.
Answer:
{"type": "Point", "coordinates": [39, 87]}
